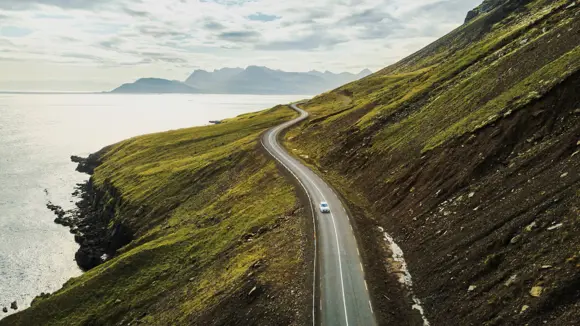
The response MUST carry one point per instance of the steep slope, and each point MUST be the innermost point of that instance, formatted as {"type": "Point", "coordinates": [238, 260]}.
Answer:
{"type": "Point", "coordinates": [467, 154]}
{"type": "Point", "coordinates": [218, 236]}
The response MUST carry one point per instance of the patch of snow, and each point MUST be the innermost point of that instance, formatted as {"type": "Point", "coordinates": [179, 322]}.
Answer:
{"type": "Point", "coordinates": [405, 275]}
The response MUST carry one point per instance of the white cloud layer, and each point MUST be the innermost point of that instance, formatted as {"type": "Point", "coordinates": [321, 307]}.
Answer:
{"type": "Point", "coordinates": [92, 45]}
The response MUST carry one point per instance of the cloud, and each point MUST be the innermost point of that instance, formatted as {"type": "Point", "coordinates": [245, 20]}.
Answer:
{"type": "Point", "coordinates": [365, 17]}
{"type": "Point", "coordinates": [160, 37]}
{"type": "Point", "coordinates": [308, 42]}
{"type": "Point", "coordinates": [213, 25]}
{"type": "Point", "coordinates": [5, 42]}
{"type": "Point", "coordinates": [372, 23]}
{"type": "Point", "coordinates": [239, 36]}
{"type": "Point", "coordinates": [83, 57]}
{"type": "Point", "coordinates": [67, 4]}
{"type": "Point", "coordinates": [228, 2]}
{"type": "Point", "coordinates": [14, 31]}
{"type": "Point", "coordinates": [111, 43]}
{"type": "Point", "coordinates": [262, 17]}
{"type": "Point", "coordinates": [137, 13]}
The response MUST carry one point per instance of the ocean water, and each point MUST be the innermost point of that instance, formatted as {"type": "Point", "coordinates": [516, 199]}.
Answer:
{"type": "Point", "coordinates": [39, 133]}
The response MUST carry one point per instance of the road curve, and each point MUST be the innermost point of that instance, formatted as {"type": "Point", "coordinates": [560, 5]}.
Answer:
{"type": "Point", "coordinates": [341, 294]}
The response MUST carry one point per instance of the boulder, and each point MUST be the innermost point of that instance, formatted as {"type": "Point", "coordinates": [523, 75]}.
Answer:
{"type": "Point", "coordinates": [516, 239]}
{"type": "Point", "coordinates": [252, 290]}
{"type": "Point", "coordinates": [14, 305]}
{"type": "Point", "coordinates": [471, 14]}
{"type": "Point", "coordinates": [86, 165]}
{"type": "Point", "coordinates": [5, 310]}
{"type": "Point", "coordinates": [88, 258]}
{"type": "Point", "coordinates": [554, 227]}
{"type": "Point", "coordinates": [524, 308]}
{"type": "Point", "coordinates": [536, 291]}
{"type": "Point", "coordinates": [511, 280]}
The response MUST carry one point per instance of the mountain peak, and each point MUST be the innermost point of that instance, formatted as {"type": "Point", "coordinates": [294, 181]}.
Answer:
{"type": "Point", "coordinates": [365, 72]}
{"type": "Point", "coordinates": [255, 68]}
{"type": "Point", "coordinates": [489, 5]}
{"type": "Point", "coordinates": [253, 79]}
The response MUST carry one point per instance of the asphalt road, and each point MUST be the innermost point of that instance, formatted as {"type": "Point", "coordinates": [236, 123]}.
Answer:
{"type": "Point", "coordinates": [342, 296]}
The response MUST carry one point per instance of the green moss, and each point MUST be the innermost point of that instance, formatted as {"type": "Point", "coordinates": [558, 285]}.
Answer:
{"type": "Point", "coordinates": [526, 91]}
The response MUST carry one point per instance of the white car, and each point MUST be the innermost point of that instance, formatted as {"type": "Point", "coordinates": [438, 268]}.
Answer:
{"type": "Point", "coordinates": [324, 208]}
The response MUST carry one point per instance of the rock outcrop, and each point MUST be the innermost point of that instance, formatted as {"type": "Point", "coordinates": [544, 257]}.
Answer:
{"type": "Point", "coordinates": [92, 221]}
{"type": "Point", "coordinates": [489, 5]}
{"type": "Point", "coordinates": [86, 165]}
{"type": "Point", "coordinates": [98, 235]}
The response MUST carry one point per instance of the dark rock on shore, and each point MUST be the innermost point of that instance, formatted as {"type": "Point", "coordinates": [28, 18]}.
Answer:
{"type": "Point", "coordinates": [14, 305]}
{"type": "Point", "coordinates": [42, 296]}
{"type": "Point", "coordinates": [56, 209]}
{"type": "Point", "coordinates": [65, 221]}
{"type": "Point", "coordinates": [4, 310]}
{"type": "Point", "coordinates": [88, 257]}
{"type": "Point", "coordinates": [87, 165]}
{"type": "Point", "coordinates": [90, 222]}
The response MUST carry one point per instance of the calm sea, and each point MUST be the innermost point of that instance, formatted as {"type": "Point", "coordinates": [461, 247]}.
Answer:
{"type": "Point", "coordinates": [39, 133]}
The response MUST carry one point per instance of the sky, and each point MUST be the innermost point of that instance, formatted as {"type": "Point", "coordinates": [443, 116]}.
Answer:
{"type": "Point", "coordinates": [94, 45]}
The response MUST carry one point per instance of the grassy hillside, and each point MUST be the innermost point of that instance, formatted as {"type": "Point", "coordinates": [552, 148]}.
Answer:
{"type": "Point", "coordinates": [467, 152]}
{"type": "Point", "coordinates": [218, 235]}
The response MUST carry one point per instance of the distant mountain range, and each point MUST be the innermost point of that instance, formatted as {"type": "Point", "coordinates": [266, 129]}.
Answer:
{"type": "Point", "coordinates": [252, 80]}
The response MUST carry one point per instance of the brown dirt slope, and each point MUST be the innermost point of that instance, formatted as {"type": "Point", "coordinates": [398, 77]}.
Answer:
{"type": "Point", "coordinates": [467, 153]}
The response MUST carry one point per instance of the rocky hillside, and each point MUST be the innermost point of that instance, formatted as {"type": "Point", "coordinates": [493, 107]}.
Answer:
{"type": "Point", "coordinates": [187, 227]}
{"type": "Point", "coordinates": [467, 153]}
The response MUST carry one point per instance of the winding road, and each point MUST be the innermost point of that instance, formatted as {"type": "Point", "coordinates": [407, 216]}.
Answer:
{"type": "Point", "coordinates": [340, 295]}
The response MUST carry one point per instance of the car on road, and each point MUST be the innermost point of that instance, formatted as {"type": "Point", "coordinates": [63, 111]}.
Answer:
{"type": "Point", "coordinates": [324, 208]}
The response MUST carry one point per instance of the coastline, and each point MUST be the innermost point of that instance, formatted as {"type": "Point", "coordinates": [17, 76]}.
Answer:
{"type": "Point", "coordinates": [92, 221]}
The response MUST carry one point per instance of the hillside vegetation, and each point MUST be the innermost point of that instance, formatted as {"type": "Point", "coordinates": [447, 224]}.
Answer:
{"type": "Point", "coordinates": [218, 235]}
{"type": "Point", "coordinates": [467, 153]}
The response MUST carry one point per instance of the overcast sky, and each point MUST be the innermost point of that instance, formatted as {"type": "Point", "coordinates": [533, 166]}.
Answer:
{"type": "Point", "coordinates": [98, 44]}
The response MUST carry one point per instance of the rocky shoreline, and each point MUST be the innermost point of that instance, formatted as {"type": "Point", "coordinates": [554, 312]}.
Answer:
{"type": "Point", "coordinates": [92, 221]}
